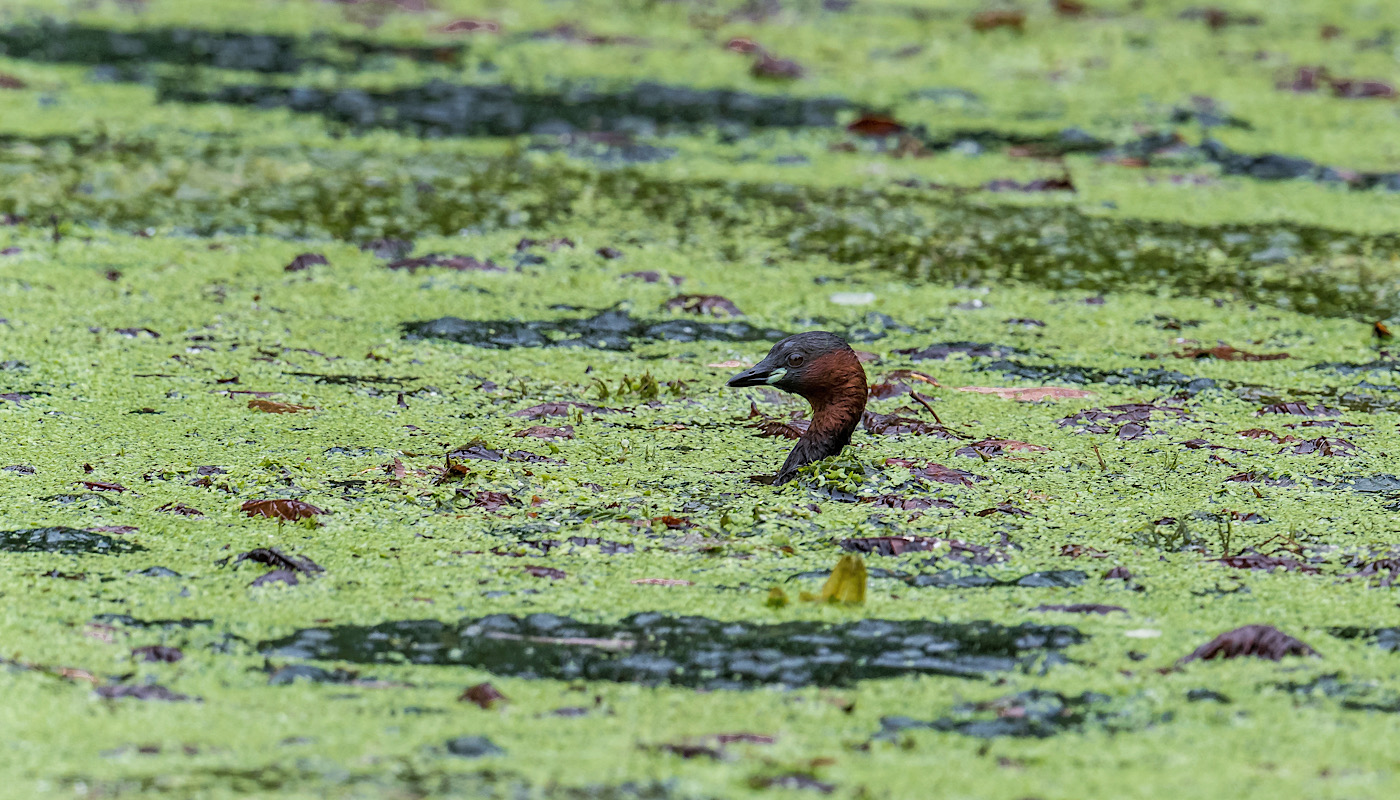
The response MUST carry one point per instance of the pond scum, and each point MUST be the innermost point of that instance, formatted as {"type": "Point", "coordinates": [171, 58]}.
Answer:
{"type": "Point", "coordinates": [365, 429]}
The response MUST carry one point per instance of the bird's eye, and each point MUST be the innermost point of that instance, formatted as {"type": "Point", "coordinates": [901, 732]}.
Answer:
{"type": "Point", "coordinates": [794, 360]}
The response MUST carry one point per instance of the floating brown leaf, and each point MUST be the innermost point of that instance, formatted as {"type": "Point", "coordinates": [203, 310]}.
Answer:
{"type": "Point", "coordinates": [1069, 8]}
{"type": "Point", "coordinates": [1384, 570]}
{"type": "Point", "coordinates": [274, 407]}
{"type": "Point", "coordinates": [891, 425]}
{"type": "Point", "coordinates": [1323, 446]}
{"type": "Point", "coordinates": [907, 503]}
{"type": "Point", "coordinates": [493, 501]}
{"type": "Point", "coordinates": [546, 432]}
{"type": "Point", "coordinates": [1268, 563]}
{"type": "Point", "coordinates": [991, 20]}
{"type": "Point", "coordinates": [875, 125]}
{"type": "Point", "coordinates": [990, 448]}
{"type": "Point", "coordinates": [305, 261]}
{"type": "Point", "coordinates": [772, 67]}
{"type": "Point", "coordinates": [560, 409]}
{"type": "Point", "coordinates": [936, 472]}
{"type": "Point", "coordinates": [157, 652]}
{"type": "Point", "coordinates": [1260, 641]}
{"type": "Point", "coordinates": [281, 508]}
{"type": "Point", "coordinates": [8, 81]}
{"type": "Point", "coordinates": [1118, 574]}
{"type": "Point", "coordinates": [545, 572]}
{"type": "Point", "coordinates": [181, 509]}
{"type": "Point", "coordinates": [1299, 409]}
{"type": "Point", "coordinates": [100, 486]}
{"type": "Point", "coordinates": [483, 694]}
{"type": "Point", "coordinates": [711, 304]}
{"type": "Point", "coordinates": [1224, 352]}
{"type": "Point", "coordinates": [471, 26]}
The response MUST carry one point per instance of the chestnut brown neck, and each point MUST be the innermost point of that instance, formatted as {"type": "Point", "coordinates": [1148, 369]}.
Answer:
{"type": "Point", "coordinates": [837, 392]}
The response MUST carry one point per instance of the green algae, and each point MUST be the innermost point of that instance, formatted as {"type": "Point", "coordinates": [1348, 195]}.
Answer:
{"type": "Point", "coordinates": [147, 295]}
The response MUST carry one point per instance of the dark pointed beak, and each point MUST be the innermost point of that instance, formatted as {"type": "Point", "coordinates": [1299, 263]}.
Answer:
{"type": "Point", "coordinates": [757, 375]}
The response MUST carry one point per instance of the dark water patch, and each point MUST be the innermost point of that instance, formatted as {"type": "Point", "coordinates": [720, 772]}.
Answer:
{"type": "Point", "coordinates": [1357, 368]}
{"type": "Point", "coordinates": [58, 539]}
{"type": "Point", "coordinates": [1351, 695]}
{"type": "Point", "coordinates": [1387, 639]}
{"type": "Point", "coordinates": [1155, 377]}
{"type": "Point", "coordinates": [193, 47]}
{"type": "Point", "coordinates": [1036, 713]}
{"type": "Point", "coordinates": [940, 351]}
{"type": "Point", "coordinates": [184, 623]}
{"type": "Point", "coordinates": [654, 649]}
{"type": "Point", "coordinates": [610, 330]}
{"type": "Point", "coordinates": [438, 108]}
{"type": "Point", "coordinates": [957, 579]}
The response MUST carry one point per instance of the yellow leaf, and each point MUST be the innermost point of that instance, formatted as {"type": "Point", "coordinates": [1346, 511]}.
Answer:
{"type": "Point", "coordinates": [847, 582]}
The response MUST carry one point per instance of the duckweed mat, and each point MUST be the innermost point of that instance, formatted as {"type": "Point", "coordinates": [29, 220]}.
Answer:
{"type": "Point", "coordinates": [365, 432]}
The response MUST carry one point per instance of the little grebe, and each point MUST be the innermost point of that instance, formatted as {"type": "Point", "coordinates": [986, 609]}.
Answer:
{"type": "Point", "coordinates": [822, 368]}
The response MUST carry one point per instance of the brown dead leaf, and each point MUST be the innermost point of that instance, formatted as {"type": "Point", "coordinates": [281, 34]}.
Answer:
{"type": "Point", "coordinates": [991, 20]}
{"type": "Point", "coordinates": [283, 508]}
{"type": "Point", "coordinates": [483, 695]}
{"type": "Point", "coordinates": [274, 407]}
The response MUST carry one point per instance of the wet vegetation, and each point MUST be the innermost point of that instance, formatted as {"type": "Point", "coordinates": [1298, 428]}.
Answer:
{"type": "Point", "coordinates": [363, 371]}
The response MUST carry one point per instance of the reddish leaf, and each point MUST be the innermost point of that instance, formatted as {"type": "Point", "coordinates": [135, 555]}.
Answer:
{"type": "Point", "coordinates": [1260, 641]}
{"type": "Point", "coordinates": [1224, 352]}
{"type": "Point", "coordinates": [875, 125]}
{"type": "Point", "coordinates": [281, 508]}
{"type": "Point", "coordinates": [483, 694]}
{"type": "Point", "coordinates": [99, 486]}
{"type": "Point", "coordinates": [1069, 8]}
{"type": "Point", "coordinates": [305, 261]}
{"type": "Point", "coordinates": [991, 20]}
{"type": "Point", "coordinates": [671, 522]}
{"type": "Point", "coordinates": [493, 501]}
{"type": "Point", "coordinates": [711, 304]}
{"type": "Point", "coordinates": [116, 529]}
{"type": "Point", "coordinates": [741, 44]}
{"type": "Point", "coordinates": [274, 407]}
{"type": "Point", "coordinates": [11, 82]}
